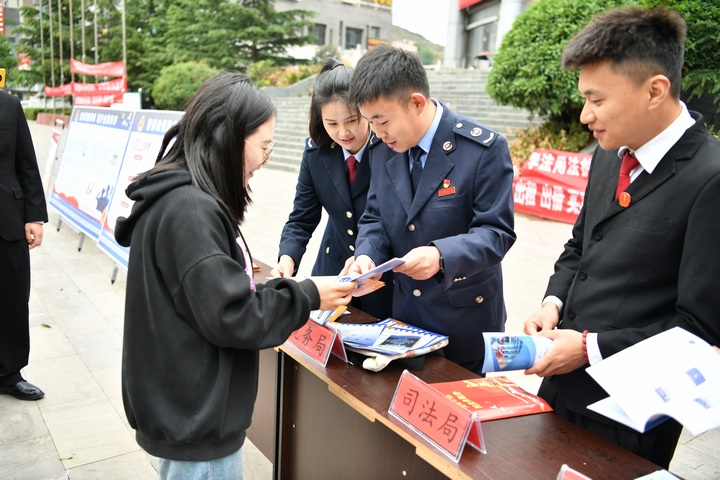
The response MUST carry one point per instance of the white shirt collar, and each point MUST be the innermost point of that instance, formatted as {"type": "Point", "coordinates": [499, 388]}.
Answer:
{"type": "Point", "coordinates": [650, 154]}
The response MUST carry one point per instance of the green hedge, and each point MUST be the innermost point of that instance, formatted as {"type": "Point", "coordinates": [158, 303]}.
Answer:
{"type": "Point", "coordinates": [32, 113]}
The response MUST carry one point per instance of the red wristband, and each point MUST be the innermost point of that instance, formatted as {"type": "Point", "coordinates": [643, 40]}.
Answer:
{"type": "Point", "coordinates": [585, 333]}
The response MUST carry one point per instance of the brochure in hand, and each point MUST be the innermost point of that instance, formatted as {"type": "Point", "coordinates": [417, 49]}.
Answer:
{"type": "Point", "coordinates": [380, 269]}
{"type": "Point", "coordinates": [504, 352]}
{"type": "Point", "coordinates": [672, 374]}
{"type": "Point", "coordinates": [492, 397]}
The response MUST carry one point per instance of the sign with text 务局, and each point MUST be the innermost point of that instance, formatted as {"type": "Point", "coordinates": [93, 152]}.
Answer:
{"type": "Point", "coordinates": [315, 340]}
{"type": "Point", "coordinates": [551, 184]}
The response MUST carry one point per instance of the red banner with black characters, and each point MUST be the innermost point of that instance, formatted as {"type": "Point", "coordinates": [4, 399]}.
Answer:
{"type": "Point", "coordinates": [551, 184]}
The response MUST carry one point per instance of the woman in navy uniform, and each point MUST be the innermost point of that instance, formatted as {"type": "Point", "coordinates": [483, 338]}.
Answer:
{"type": "Point", "coordinates": [335, 175]}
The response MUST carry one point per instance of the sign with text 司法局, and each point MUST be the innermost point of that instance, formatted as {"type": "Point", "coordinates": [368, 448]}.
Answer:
{"type": "Point", "coordinates": [438, 420]}
{"type": "Point", "coordinates": [551, 184]}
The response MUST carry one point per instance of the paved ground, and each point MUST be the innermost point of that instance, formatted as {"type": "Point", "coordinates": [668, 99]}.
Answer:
{"type": "Point", "coordinates": [79, 430]}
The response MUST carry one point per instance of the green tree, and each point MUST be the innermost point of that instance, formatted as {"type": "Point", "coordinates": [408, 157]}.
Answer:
{"type": "Point", "coordinates": [702, 57]}
{"type": "Point", "coordinates": [226, 34]}
{"type": "Point", "coordinates": [36, 44]}
{"type": "Point", "coordinates": [427, 55]}
{"type": "Point", "coordinates": [8, 59]}
{"type": "Point", "coordinates": [177, 83]}
{"type": "Point", "coordinates": [223, 34]}
{"type": "Point", "coordinates": [526, 71]}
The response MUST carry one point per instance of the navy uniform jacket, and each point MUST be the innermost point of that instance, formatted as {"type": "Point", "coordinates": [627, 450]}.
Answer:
{"type": "Point", "coordinates": [322, 183]}
{"type": "Point", "coordinates": [464, 206]}
{"type": "Point", "coordinates": [630, 273]}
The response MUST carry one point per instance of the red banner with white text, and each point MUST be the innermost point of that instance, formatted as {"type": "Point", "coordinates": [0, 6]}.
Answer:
{"type": "Point", "coordinates": [97, 100]}
{"type": "Point", "coordinates": [551, 184]}
{"type": "Point", "coordinates": [61, 91]}
{"type": "Point", "coordinates": [108, 69]}
{"type": "Point", "coordinates": [117, 86]}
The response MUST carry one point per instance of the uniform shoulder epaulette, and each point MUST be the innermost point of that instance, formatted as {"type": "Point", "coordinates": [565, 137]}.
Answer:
{"type": "Point", "coordinates": [310, 145]}
{"type": "Point", "coordinates": [478, 133]}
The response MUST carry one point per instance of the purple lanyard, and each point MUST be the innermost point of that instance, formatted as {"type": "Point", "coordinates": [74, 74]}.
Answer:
{"type": "Point", "coordinates": [248, 262]}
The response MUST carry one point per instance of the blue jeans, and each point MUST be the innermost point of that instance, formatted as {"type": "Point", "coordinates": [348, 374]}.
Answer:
{"type": "Point", "coordinates": [226, 468]}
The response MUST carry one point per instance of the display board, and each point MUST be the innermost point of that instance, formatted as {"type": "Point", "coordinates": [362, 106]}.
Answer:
{"type": "Point", "coordinates": [143, 145]}
{"type": "Point", "coordinates": [89, 165]}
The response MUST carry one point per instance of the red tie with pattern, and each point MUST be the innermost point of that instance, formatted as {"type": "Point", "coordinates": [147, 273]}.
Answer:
{"type": "Point", "coordinates": [352, 169]}
{"type": "Point", "coordinates": [629, 162]}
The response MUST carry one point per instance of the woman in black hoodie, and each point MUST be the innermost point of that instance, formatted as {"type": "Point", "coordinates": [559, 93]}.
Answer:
{"type": "Point", "coordinates": [194, 318]}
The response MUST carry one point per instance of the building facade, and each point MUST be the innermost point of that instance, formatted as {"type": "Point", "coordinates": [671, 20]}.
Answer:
{"type": "Point", "coordinates": [476, 29]}
{"type": "Point", "coordinates": [350, 26]}
{"type": "Point", "coordinates": [10, 16]}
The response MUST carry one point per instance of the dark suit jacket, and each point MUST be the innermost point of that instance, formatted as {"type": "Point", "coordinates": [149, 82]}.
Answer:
{"type": "Point", "coordinates": [464, 206]}
{"type": "Point", "coordinates": [630, 273]}
{"type": "Point", "coordinates": [322, 183]}
{"type": "Point", "coordinates": [22, 199]}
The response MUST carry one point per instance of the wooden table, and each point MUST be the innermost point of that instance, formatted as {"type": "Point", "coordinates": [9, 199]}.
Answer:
{"type": "Point", "coordinates": [332, 422]}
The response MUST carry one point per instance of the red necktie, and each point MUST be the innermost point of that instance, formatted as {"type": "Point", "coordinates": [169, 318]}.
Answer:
{"type": "Point", "coordinates": [352, 169]}
{"type": "Point", "coordinates": [629, 162]}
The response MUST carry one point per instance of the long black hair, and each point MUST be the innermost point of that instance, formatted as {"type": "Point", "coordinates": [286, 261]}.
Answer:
{"type": "Point", "coordinates": [209, 140]}
{"type": "Point", "coordinates": [332, 84]}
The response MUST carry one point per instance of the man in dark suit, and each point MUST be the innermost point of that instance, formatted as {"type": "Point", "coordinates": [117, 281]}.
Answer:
{"type": "Point", "coordinates": [643, 256]}
{"type": "Point", "coordinates": [22, 213]}
{"type": "Point", "coordinates": [455, 226]}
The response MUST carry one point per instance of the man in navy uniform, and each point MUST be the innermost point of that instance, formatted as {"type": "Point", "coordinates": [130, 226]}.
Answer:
{"type": "Point", "coordinates": [441, 198]}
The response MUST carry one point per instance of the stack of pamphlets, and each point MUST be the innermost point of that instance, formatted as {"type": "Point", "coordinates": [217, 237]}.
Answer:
{"type": "Point", "coordinates": [388, 340]}
{"type": "Point", "coordinates": [492, 397]}
{"type": "Point", "coordinates": [672, 374]}
{"type": "Point", "coordinates": [388, 337]}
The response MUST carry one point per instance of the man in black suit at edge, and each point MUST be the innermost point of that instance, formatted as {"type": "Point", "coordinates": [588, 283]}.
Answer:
{"type": "Point", "coordinates": [22, 213]}
{"type": "Point", "coordinates": [644, 258]}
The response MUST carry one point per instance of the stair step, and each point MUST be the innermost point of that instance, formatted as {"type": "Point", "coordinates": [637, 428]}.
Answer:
{"type": "Point", "coordinates": [462, 90]}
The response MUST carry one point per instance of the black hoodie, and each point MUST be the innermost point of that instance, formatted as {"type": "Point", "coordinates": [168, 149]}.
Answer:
{"type": "Point", "coordinates": [193, 324]}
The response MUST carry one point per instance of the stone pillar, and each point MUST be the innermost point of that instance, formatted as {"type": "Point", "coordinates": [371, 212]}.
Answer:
{"type": "Point", "coordinates": [455, 43]}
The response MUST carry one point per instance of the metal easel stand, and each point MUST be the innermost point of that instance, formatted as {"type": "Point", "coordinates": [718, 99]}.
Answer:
{"type": "Point", "coordinates": [80, 234]}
